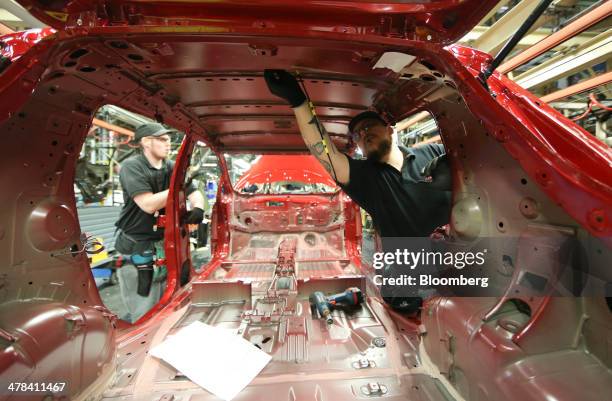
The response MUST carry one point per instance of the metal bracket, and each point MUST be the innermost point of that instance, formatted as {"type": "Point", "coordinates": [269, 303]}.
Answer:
{"type": "Point", "coordinates": [364, 363]}
{"type": "Point", "coordinates": [374, 389]}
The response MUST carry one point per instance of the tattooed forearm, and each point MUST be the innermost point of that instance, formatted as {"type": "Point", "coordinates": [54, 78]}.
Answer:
{"type": "Point", "coordinates": [324, 134]}
{"type": "Point", "coordinates": [326, 165]}
{"type": "Point", "coordinates": [317, 148]}
{"type": "Point", "coordinates": [315, 121]}
{"type": "Point", "coordinates": [320, 145]}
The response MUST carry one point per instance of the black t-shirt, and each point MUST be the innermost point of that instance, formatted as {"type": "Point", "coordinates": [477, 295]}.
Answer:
{"type": "Point", "coordinates": [137, 176]}
{"type": "Point", "coordinates": [404, 204]}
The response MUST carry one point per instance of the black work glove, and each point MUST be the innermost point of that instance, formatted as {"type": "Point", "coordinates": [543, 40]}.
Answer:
{"type": "Point", "coordinates": [408, 305]}
{"type": "Point", "coordinates": [284, 85]}
{"type": "Point", "coordinates": [194, 216]}
{"type": "Point", "coordinates": [404, 299]}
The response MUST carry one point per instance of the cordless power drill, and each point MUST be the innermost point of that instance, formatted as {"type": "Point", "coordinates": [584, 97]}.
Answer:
{"type": "Point", "coordinates": [349, 298]}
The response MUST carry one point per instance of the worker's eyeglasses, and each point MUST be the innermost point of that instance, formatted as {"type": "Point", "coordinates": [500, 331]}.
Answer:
{"type": "Point", "coordinates": [162, 139]}
{"type": "Point", "coordinates": [363, 130]}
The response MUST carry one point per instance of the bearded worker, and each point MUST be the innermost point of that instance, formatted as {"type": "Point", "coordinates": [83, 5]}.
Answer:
{"type": "Point", "coordinates": [407, 191]}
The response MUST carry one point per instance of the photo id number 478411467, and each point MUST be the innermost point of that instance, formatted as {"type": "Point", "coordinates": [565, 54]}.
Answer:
{"type": "Point", "coordinates": [35, 387]}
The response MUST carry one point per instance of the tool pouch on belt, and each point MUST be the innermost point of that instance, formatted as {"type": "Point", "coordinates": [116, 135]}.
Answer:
{"type": "Point", "coordinates": [143, 255]}
{"type": "Point", "coordinates": [159, 272]}
{"type": "Point", "coordinates": [144, 264]}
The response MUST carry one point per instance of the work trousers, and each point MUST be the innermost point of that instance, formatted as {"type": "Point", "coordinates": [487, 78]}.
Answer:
{"type": "Point", "coordinates": [135, 304]}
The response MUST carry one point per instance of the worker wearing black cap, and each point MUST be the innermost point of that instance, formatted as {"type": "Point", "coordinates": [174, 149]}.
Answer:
{"type": "Point", "coordinates": [407, 191]}
{"type": "Point", "coordinates": [145, 179]}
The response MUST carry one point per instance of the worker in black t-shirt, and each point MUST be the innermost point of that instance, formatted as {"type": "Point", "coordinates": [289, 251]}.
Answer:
{"type": "Point", "coordinates": [407, 191]}
{"type": "Point", "coordinates": [145, 179]}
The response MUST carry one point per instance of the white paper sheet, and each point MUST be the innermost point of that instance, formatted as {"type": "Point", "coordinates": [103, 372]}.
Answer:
{"type": "Point", "coordinates": [214, 358]}
{"type": "Point", "coordinates": [394, 61]}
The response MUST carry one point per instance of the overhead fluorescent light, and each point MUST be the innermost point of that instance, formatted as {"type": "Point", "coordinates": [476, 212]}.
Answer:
{"type": "Point", "coordinates": [7, 16]}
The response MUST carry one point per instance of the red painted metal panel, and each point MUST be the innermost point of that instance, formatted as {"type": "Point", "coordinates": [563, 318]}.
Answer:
{"type": "Point", "coordinates": [16, 44]}
{"type": "Point", "coordinates": [274, 168]}
{"type": "Point", "coordinates": [443, 21]}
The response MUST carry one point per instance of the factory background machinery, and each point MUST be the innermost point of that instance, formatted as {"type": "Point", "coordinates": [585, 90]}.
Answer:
{"type": "Point", "coordinates": [565, 59]}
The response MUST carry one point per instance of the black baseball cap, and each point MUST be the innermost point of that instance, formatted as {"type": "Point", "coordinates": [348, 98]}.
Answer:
{"type": "Point", "coordinates": [152, 129]}
{"type": "Point", "coordinates": [366, 115]}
